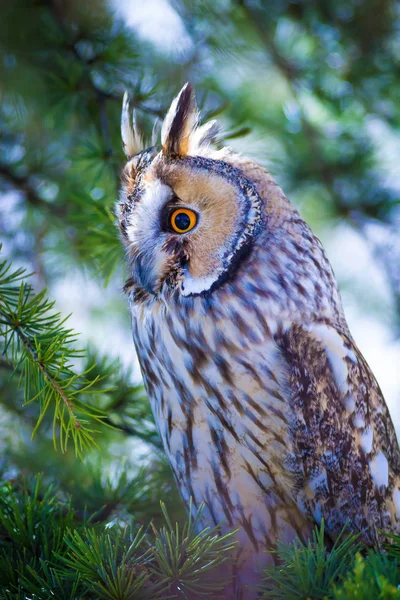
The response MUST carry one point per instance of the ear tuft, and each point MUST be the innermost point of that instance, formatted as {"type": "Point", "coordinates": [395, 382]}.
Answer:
{"type": "Point", "coordinates": [155, 134]}
{"type": "Point", "coordinates": [179, 123]}
{"type": "Point", "coordinates": [203, 136]}
{"type": "Point", "coordinates": [132, 140]}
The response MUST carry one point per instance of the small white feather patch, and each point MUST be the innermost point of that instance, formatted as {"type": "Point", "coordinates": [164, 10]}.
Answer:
{"type": "Point", "coordinates": [396, 500]}
{"type": "Point", "coordinates": [349, 403]}
{"type": "Point", "coordinates": [335, 352]}
{"type": "Point", "coordinates": [379, 469]}
{"type": "Point", "coordinates": [367, 440]}
{"type": "Point", "coordinates": [358, 420]}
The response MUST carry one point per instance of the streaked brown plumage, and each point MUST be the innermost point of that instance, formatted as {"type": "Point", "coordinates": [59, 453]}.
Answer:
{"type": "Point", "coordinates": [267, 410]}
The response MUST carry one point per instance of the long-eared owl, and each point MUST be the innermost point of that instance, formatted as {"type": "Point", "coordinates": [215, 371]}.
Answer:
{"type": "Point", "coordinates": [266, 408]}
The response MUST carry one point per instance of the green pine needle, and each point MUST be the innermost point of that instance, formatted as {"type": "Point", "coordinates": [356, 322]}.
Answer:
{"type": "Point", "coordinates": [310, 570]}
{"type": "Point", "coordinates": [41, 349]}
{"type": "Point", "coordinates": [183, 555]}
{"type": "Point", "coordinates": [111, 564]}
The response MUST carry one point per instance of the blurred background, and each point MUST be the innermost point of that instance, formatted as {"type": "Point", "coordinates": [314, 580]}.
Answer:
{"type": "Point", "coordinates": [310, 89]}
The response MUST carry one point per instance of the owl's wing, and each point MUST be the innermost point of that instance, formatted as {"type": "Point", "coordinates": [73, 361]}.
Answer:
{"type": "Point", "coordinates": [346, 459]}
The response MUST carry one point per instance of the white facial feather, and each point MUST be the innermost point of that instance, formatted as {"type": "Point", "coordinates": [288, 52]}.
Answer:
{"type": "Point", "coordinates": [144, 226]}
{"type": "Point", "coordinates": [196, 285]}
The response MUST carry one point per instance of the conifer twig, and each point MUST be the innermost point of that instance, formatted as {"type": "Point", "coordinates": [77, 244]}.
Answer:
{"type": "Point", "coordinates": [37, 345]}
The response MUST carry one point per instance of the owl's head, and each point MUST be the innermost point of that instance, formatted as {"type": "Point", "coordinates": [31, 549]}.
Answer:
{"type": "Point", "coordinates": [188, 218]}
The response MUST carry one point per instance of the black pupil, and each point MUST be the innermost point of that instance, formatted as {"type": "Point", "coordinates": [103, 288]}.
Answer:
{"type": "Point", "coordinates": [182, 221]}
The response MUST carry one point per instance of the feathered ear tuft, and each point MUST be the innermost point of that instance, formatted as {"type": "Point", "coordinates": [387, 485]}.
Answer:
{"type": "Point", "coordinates": [132, 140]}
{"type": "Point", "coordinates": [203, 136]}
{"type": "Point", "coordinates": [179, 123]}
{"type": "Point", "coordinates": [155, 134]}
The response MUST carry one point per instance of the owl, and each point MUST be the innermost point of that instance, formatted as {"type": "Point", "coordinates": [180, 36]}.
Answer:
{"type": "Point", "coordinates": [266, 408]}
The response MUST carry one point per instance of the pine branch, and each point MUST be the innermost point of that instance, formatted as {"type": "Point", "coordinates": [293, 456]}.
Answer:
{"type": "Point", "coordinates": [125, 406]}
{"type": "Point", "coordinates": [33, 522]}
{"type": "Point", "coordinates": [174, 564]}
{"type": "Point", "coordinates": [310, 570]}
{"type": "Point", "coordinates": [109, 563]}
{"type": "Point", "coordinates": [36, 342]}
{"type": "Point", "coordinates": [46, 551]}
{"type": "Point", "coordinates": [184, 554]}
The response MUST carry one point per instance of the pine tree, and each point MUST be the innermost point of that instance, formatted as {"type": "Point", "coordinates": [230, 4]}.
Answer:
{"type": "Point", "coordinates": [310, 89]}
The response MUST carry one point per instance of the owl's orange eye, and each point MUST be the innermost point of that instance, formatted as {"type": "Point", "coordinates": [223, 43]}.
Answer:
{"type": "Point", "coordinates": [182, 220]}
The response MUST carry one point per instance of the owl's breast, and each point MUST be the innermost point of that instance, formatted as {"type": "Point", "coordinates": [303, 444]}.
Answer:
{"type": "Point", "coordinates": [220, 401]}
